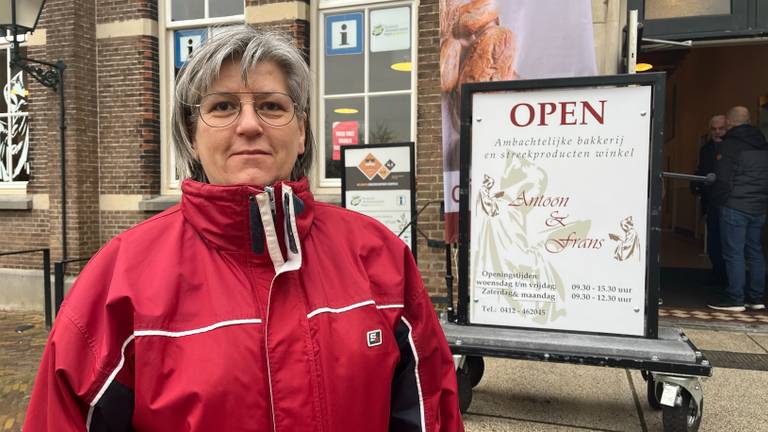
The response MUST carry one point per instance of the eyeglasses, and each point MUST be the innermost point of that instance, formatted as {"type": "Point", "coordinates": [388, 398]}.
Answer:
{"type": "Point", "coordinates": [222, 109]}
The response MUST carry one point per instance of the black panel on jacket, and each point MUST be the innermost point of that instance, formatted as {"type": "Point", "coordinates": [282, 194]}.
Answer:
{"type": "Point", "coordinates": [405, 414]}
{"type": "Point", "coordinates": [257, 228]}
{"type": "Point", "coordinates": [114, 411]}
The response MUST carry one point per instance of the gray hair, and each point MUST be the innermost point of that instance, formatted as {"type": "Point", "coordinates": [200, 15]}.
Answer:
{"type": "Point", "coordinates": [250, 46]}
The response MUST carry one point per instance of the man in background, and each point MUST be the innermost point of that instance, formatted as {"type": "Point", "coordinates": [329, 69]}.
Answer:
{"type": "Point", "coordinates": [740, 194]}
{"type": "Point", "coordinates": [707, 153]}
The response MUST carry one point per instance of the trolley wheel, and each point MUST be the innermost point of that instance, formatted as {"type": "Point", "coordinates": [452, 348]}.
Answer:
{"type": "Point", "coordinates": [464, 381]}
{"type": "Point", "coordinates": [654, 390]}
{"type": "Point", "coordinates": [685, 416]}
{"type": "Point", "coordinates": [476, 366]}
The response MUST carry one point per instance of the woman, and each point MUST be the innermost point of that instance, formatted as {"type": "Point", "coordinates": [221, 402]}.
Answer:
{"type": "Point", "coordinates": [250, 306]}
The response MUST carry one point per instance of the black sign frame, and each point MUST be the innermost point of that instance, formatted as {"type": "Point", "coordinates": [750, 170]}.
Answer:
{"type": "Point", "coordinates": [413, 224]}
{"type": "Point", "coordinates": [657, 82]}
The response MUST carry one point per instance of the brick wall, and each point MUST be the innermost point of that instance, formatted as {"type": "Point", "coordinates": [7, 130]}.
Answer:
{"type": "Point", "coordinates": [70, 36]}
{"type": "Point", "coordinates": [129, 113]}
{"type": "Point", "coordinates": [296, 29]}
{"type": "Point", "coordinates": [108, 11]}
{"type": "Point", "coordinates": [129, 118]}
{"type": "Point", "coordinates": [23, 230]}
{"type": "Point", "coordinates": [112, 138]}
{"type": "Point", "coordinates": [429, 150]}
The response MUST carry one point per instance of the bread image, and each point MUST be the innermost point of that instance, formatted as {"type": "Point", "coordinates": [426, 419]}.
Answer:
{"type": "Point", "coordinates": [448, 11]}
{"type": "Point", "coordinates": [491, 57]}
{"type": "Point", "coordinates": [474, 16]}
{"type": "Point", "coordinates": [450, 59]}
{"type": "Point", "coordinates": [474, 48]}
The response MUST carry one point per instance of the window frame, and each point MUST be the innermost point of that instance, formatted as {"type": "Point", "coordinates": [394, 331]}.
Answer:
{"type": "Point", "coordinates": [170, 183]}
{"type": "Point", "coordinates": [746, 18]}
{"type": "Point", "coordinates": [324, 185]}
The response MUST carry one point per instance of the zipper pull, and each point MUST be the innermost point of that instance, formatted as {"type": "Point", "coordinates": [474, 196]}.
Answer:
{"type": "Point", "coordinates": [271, 192]}
{"type": "Point", "coordinates": [257, 228]}
{"type": "Point", "coordinates": [288, 228]}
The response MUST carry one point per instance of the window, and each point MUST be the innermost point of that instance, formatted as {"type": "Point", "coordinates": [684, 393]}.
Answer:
{"type": "Point", "coordinates": [679, 19]}
{"type": "Point", "coordinates": [188, 23]}
{"type": "Point", "coordinates": [366, 80]}
{"type": "Point", "coordinates": [661, 9]}
{"type": "Point", "coordinates": [14, 126]}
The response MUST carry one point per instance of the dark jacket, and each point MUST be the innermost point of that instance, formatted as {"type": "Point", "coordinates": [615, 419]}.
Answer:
{"type": "Point", "coordinates": [741, 166]}
{"type": "Point", "coordinates": [706, 165]}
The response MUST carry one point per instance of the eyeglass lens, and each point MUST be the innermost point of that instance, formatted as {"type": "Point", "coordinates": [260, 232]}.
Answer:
{"type": "Point", "coordinates": [221, 109]}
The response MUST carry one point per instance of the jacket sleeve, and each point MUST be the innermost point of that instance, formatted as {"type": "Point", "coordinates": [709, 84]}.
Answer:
{"type": "Point", "coordinates": [80, 361]}
{"type": "Point", "coordinates": [424, 392]}
{"type": "Point", "coordinates": [58, 396]}
{"type": "Point", "coordinates": [704, 167]}
{"type": "Point", "coordinates": [725, 168]}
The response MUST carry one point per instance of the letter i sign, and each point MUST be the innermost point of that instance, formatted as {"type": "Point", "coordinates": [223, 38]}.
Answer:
{"type": "Point", "coordinates": [374, 338]}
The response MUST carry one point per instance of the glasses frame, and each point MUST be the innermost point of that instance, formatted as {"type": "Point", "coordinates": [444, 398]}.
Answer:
{"type": "Point", "coordinates": [240, 110]}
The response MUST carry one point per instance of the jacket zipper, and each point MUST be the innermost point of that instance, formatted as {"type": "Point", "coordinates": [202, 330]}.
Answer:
{"type": "Point", "coordinates": [257, 245]}
{"type": "Point", "coordinates": [266, 352]}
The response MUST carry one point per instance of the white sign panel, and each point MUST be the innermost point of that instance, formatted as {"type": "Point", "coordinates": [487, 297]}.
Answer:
{"type": "Point", "coordinates": [377, 182]}
{"type": "Point", "coordinates": [390, 29]}
{"type": "Point", "coordinates": [558, 202]}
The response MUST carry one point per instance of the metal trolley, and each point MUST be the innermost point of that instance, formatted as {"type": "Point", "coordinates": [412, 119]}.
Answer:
{"type": "Point", "coordinates": [669, 362]}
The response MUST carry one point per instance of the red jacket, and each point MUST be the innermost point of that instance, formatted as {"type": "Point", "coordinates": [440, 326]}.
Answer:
{"type": "Point", "coordinates": [210, 317]}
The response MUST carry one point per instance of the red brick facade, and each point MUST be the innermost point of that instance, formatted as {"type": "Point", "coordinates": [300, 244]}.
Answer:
{"type": "Point", "coordinates": [129, 116]}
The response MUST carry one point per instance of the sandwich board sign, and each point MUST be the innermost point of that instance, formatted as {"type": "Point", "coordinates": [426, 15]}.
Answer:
{"type": "Point", "coordinates": [560, 197]}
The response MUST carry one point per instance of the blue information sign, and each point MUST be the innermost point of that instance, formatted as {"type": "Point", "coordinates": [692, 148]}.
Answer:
{"type": "Point", "coordinates": [185, 42]}
{"type": "Point", "coordinates": [344, 34]}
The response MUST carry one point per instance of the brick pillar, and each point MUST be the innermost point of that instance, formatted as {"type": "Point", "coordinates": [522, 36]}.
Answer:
{"type": "Point", "coordinates": [70, 36]}
{"type": "Point", "coordinates": [129, 111]}
{"type": "Point", "coordinates": [429, 148]}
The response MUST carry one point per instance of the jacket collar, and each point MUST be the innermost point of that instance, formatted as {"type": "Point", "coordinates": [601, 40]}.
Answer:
{"type": "Point", "coordinates": [236, 218]}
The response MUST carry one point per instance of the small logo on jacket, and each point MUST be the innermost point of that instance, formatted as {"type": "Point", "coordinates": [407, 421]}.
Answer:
{"type": "Point", "coordinates": [374, 338]}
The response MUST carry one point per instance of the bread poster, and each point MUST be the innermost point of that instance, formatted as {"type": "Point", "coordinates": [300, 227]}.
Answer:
{"type": "Point", "coordinates": [500, 40]}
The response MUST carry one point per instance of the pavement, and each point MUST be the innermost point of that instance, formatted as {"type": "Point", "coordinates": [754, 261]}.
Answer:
{"type": "Point", "coordinates": [22, 338]}
{"type": "Point", "coordinates": [518, 395]}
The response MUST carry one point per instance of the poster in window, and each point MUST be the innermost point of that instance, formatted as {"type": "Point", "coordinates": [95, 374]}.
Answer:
{"type": "Point", "coordinates": [390, 29]}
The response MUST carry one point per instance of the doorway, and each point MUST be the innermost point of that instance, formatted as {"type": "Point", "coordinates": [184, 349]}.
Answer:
{"type": "Point", "coordinates": [701, 82]}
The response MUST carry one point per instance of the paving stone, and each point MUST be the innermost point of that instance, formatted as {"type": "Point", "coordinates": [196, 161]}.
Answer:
{"type": "Point", "coordinates": [19, 360]}
{"type": "Point", "coordinates": [723, 341]}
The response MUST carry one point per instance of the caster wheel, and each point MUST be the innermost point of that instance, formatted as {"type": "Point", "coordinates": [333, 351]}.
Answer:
{"type": "Point", "coordinates": [685, 416]}
{"type": "Point", "coordinates": [654, 391]}
{"type": "Point", "coordinates": [476, 369]}
{"type": "Point", "coordinates": [464, 381]}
